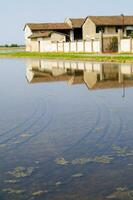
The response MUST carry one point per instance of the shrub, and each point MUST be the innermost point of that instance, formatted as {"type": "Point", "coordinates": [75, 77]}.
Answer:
{"type": "Point", "coordinates": [14, 45]}
{"type": "Point", "coordinates": [131, 35]}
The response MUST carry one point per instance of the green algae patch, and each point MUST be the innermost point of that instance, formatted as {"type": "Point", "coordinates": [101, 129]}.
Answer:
{"type": "Point", "coordinates": [99, 159]}
{"type": "Point", "coordinates": [104, 159]}
{"type": "Point", "coordinates": [61, 161]}
{"type": "Point", "coordinates": [58, 183]}
{"type": "Point", "coordinates": [77, 175]}
{"type": "Point", "coordinates": [122, 151]}
{"type": "Point", "coordinates": [21, 172]}
{"type": "Point", "coordinates": [121, 193]}
{"type": "Point", "coordinates": [119, 150]}
{"type": "Point", "coordinates": [81, 161]}
{"type": "Point", "coordinates": [13, 191]}
{"type": "Point", "coordinates": [11, 181]}
{"type": "Point", "coordinates": [2, 145]}
{"type": "Point", "coordinates": [121, 189]}
{"type": "Point", "coordinates": [38, 193]}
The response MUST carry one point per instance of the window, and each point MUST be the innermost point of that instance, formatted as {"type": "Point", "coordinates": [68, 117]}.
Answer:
{"type": "Point", "coordinates": [99, 29]}
{"type": "Point", "coordinates": [117, 28]}
{"type": "Point", "coordinates": [129, 32]}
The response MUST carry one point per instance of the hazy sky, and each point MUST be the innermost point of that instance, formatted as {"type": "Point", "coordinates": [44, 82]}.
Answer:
{"type": "Point", "coordinates": [15, 13]}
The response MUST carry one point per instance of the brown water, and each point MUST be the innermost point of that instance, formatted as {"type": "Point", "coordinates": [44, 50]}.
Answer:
{"type": "Point", "coordinates": [66, 130]}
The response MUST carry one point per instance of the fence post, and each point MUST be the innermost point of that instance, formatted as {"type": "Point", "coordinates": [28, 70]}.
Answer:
{"type": "Point", "coordinates": [57, 46]}
{"type": "Point", "coordinates": [69, 46]}
{"type": "Point", "coordinates": [63, 46]}
{"type": "Point", "coordinates": [119, 40]}
{"type": "Point", "coordinates": [83, 45]}
{"type": "Point", "coordinates": [101, 41]}
{"type": "Point", "coordinates": [76, 46]}
{"type": "Point", "coordinates": [92, 45]}
{"type": "Point", "coordinates": [130, 45]}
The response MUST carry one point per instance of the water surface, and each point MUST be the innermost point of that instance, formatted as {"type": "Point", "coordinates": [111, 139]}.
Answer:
{"type": "Point", "coordinates": [66, 130]}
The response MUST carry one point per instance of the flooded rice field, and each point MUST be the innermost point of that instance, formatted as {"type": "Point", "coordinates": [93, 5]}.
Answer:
{"type": "Point", "coordinates": [11, 50]}
{"type": "Point", "coordinates": [66, 130]}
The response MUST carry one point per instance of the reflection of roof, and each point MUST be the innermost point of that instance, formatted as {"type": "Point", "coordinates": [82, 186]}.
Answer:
{"type": "Point", "coordinates": [112, 20]}
{"type": "Point", "coordinates": [38, 77]}
{"type": "Point", "coordinates": [112, 84]}
{"type": "Point", "coordinates": [90, 78]}
{"type": "Point", "coordinates": [44, 34]}
{"type": "Point", "coordinates": [77, 23]}
{"type": "Point", "coordinates": [76, 80]}
{"type": "Point", "coordinates": [48, 26]}
{"type": "Point", "coordinates": [58, 71]}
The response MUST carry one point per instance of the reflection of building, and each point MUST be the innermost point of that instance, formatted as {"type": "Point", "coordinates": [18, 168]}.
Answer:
{"type": "Point", "coordinates": [94, 75]}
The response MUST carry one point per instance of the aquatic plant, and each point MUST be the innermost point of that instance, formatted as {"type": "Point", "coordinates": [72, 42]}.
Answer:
{"type": "Point", "coordinates": [81, 161]}
{"type": "Point", "coordinates": [122, 152]}
{"type": "Point", "coordinates": [21, 172]}
{"type": "Point", "coordinates": [77, 175]}
{"type": "Point", "coordinates": [121, 189]}
{"type": "Point", "coordinates": [103, 159]}
{"type": "Point", "coordinates": [37, 193]}
{"type": "Point", "coordinates": [106, 159]}
{"type": "Point", "coordinates": [119, 150]}
{"type": "Point", "coordinates": [58, 183]}
{"type": "Point", "coordinates": [10, 181]}
{"type": "Point", "coordinates": [121, 193]}
{"type": "Point", "coordinates": [61, 161]}
{"type": "Point", "coordinates": [13, 191]}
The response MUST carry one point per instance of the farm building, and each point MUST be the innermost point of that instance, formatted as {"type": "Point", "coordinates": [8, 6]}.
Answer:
{"type": "Point", "coordinates": [90, 34]}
